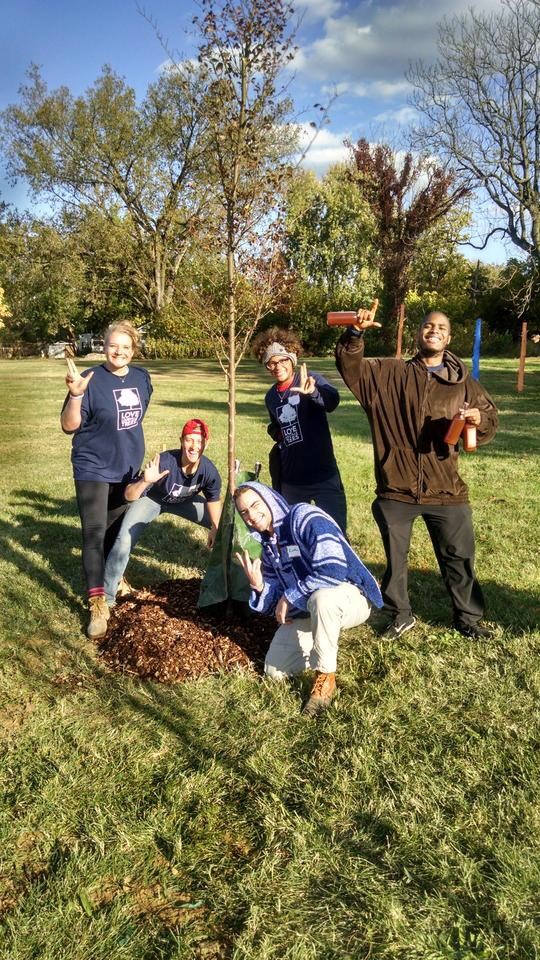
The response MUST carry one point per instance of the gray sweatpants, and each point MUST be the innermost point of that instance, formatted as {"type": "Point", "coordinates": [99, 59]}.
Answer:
{"type": "Point", "coordinates": [311, 643]}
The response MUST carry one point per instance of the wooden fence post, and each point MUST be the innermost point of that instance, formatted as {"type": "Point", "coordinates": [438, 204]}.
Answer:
{"type": "Point", "coordinates": [401, 320]}
{"type": "Point", "coordinates": [522, 355]}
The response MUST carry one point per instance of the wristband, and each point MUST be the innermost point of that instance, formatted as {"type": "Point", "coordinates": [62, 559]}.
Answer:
{"type": "Point", "coordinates": [76, 396]}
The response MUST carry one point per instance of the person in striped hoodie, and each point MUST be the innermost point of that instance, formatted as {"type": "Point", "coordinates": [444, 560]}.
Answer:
{"type": "Point", "coordinates": [309, 579]}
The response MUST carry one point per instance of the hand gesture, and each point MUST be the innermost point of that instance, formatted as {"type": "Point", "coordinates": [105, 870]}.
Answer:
{"type": "Point", "coordinates": [152, 473]}
{"type": "Point", "coordinates": [252, 570]}
{"type": "Point", "coordinates": [307, 384]}
{"type": "Point", "coordinates": [366, 318]}
{"type": "Point", "coordinates": [281, 611]}
{"type": "Point", "coordinates": [76, 384]}
{"type": "Point", "coordinates": [211, 537]}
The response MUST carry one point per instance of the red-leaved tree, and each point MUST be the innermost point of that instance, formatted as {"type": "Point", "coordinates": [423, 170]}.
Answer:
{"type": "Point", "coordinates": [406, 195]}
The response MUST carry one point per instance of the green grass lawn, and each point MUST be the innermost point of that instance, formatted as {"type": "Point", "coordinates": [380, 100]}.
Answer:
{"type": "Point", "coordinates": [212, 820]}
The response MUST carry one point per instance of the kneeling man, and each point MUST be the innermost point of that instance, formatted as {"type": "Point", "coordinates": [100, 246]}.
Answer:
{"type": "Point", "coordinates": [310, 579]}
{"type": "Point", "coordinates": [183, 482]}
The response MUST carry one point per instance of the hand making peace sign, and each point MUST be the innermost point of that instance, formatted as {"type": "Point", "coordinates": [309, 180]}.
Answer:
{"type": "Point", "coordinates": [252, 570]}
{"type": "Point", "coordinates": [76, 384]}
{"type": "Point", "coordinates": [307, 384]}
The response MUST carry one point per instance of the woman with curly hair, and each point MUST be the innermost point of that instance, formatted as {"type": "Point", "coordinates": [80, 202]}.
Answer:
{"type": "Point", "coordinates": [303, 467]}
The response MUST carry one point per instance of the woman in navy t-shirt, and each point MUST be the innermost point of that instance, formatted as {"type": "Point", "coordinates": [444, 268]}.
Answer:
{"type": "Point", "coordinates": [104, 410]}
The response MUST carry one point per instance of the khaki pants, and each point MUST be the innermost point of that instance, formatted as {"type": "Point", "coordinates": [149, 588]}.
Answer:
{"type": "Point", "coordinates": [311, 643]}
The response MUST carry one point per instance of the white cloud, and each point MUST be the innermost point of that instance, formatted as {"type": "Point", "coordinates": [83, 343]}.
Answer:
{"type": "Point", "coordinates": [370, 46]}
{"type": "Point", "coordinates": [312, 10]}
{"type": "Point", "coordinates": [327, 148]}
{"type": "Point", "coordinates": [402, 116]}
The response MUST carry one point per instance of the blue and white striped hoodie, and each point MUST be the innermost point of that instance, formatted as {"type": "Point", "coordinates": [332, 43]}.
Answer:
{"type": "Point", "coordinates": [307, 551]}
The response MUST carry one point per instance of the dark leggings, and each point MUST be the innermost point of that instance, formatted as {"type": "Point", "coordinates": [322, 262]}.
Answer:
{"type": "Point", "coordinates": [101, 508]}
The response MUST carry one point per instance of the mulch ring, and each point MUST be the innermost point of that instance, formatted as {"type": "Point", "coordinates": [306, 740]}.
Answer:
{"type": "Point", "coordinates": [159, 634]}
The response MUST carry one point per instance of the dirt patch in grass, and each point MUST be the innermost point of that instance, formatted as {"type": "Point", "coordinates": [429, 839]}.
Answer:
{"type": "Point", "coordinates": [159, 634]}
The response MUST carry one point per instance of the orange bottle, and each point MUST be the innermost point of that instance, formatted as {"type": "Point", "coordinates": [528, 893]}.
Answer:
{"type": "Point", "coordinates": [469, 438]}
{"type": "Point", "coordinates": [455, 429]}
{"type": "Point", "coordinates": [341, 318]}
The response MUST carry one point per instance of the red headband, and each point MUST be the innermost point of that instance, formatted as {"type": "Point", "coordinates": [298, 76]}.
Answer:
{"type": "Point", "coordinates": [196, 426]}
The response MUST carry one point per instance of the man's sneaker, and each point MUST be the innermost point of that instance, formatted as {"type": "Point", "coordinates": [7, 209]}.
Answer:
{"type": "Point", "coordinates": [321, 694]}
{"type": "Point", "coordinates": [474, 631]}
{"type": "Point", "coordinates": [398, 627]}
{"type": "Point", "coordinates": [99, 615]}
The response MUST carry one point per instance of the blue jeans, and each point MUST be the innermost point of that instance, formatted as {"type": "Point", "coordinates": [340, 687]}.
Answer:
{"type": "Point", "coordinates": [137, 516]}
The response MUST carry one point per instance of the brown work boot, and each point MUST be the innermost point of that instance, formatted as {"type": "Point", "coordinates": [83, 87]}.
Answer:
{"type": "Point", "coordinates": [99, 615]}
{"type": "Point", "coordinates": [321, 694]}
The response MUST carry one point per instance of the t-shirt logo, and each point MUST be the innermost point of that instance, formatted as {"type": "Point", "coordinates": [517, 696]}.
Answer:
{"type": "Point", "coordinates": [128, 407]}
{"type": "Point", "coordinates": [179, 492]}
{"type": "Point", "coordinates": [288, 421]}
{"type": "Point", "coordinates": [174, 494]}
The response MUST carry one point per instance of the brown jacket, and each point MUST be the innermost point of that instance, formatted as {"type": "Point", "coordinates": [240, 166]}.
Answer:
{"type": "Point", "coordinates": [409, 411]}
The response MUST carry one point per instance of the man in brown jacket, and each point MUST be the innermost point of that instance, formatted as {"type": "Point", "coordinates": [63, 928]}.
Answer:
{"type": "Point", "coordinates": [409, 405]}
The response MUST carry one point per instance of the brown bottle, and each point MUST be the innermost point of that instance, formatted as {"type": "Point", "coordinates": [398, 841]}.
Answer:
{"type": "Point", "coordinates": [455, 428]}
{"type": "Point", "coordinates": [469, 438]}
{"type": "Point", "coordinates": [341, 318]}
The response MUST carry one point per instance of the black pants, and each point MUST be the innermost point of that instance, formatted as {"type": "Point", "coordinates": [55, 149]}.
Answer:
{"type": "Point", "coordinates": [329, 495]}
{"type": "Point", "coordinates": [451, 531]}
{"type": "Point", "coordinates": [101, 508]}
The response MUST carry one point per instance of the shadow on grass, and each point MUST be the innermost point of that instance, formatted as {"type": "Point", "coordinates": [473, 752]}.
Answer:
{"type": "Point", "coordinates": [42, 527]}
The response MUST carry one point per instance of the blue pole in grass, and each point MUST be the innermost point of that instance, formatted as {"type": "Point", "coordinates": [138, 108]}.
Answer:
{"type": "Point", "coordinates": [476, 350]}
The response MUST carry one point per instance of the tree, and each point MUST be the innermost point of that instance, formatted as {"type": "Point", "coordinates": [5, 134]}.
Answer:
{"type": "Point", "coordinates": [244, 47]}
{"type": "Point", "coordinates": [330, 232]}
{"type": "Point", "coordinates": [42, 277]}
{"type": "Point", "coordinates": [143, 163]}
{"type": "Point", "coordinates": [480, 108]}
{"type": "Point", "coordinates": [4, 309]}
{"type": "Point", "coordinates": [329, 244]}
{"type": "Point", "coordinates": [70, 274]}
{"type": "Point", "coordinates": [407, 197]}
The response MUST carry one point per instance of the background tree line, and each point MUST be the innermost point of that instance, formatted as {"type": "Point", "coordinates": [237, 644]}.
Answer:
{"type": "Point", "coordinates": [79, 271]}
{"type": "Point", "coordinates": [186, 212]}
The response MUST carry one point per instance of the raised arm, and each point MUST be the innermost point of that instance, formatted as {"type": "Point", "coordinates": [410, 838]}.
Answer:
{"type": "Point", "coordinates": [362, 376]}
{"type": "Point", "coordinates": [71, 417]}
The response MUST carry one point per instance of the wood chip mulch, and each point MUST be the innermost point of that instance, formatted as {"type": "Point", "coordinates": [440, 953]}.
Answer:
{"type": "Point", "coordinates": [159, 634]}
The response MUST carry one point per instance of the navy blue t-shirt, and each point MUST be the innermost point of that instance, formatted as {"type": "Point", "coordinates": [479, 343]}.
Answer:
{"type": "Point", "coordinates": [305, 444]}
{"type": "Point", "coordinates": [109, 444]}
{"type": "Point", "coordinates": [178, 486]}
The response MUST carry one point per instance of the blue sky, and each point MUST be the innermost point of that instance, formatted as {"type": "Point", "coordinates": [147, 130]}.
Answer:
{"type": "Point", "coordinates": [359, 49]}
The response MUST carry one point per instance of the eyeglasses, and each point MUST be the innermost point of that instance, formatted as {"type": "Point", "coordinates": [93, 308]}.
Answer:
{"type": "Point", "coordinates": [274, 364]}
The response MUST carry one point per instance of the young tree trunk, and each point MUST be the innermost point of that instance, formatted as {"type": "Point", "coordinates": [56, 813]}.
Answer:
{"type": "Point", "coordinates": [231, 375]}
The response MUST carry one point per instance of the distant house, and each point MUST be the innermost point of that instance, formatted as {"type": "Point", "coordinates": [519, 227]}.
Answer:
{"type": "Point", "coordinates": [89, 343]}
{"type": "Point", "coordinates": [57, 351]}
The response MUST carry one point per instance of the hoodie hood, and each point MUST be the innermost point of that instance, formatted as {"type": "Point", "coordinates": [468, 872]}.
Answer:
{"type": "Point", "coordinates": [278, 506]}
{"type": "Point", "coordinates": [455, 368]}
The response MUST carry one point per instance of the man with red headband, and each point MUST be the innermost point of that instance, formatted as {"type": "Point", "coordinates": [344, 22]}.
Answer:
{"type": "Point", "coordinates": [183, 482]}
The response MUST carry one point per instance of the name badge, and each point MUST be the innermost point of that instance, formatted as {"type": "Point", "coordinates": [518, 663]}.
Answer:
{"type": "Point", "coordinates": [293, 551]}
